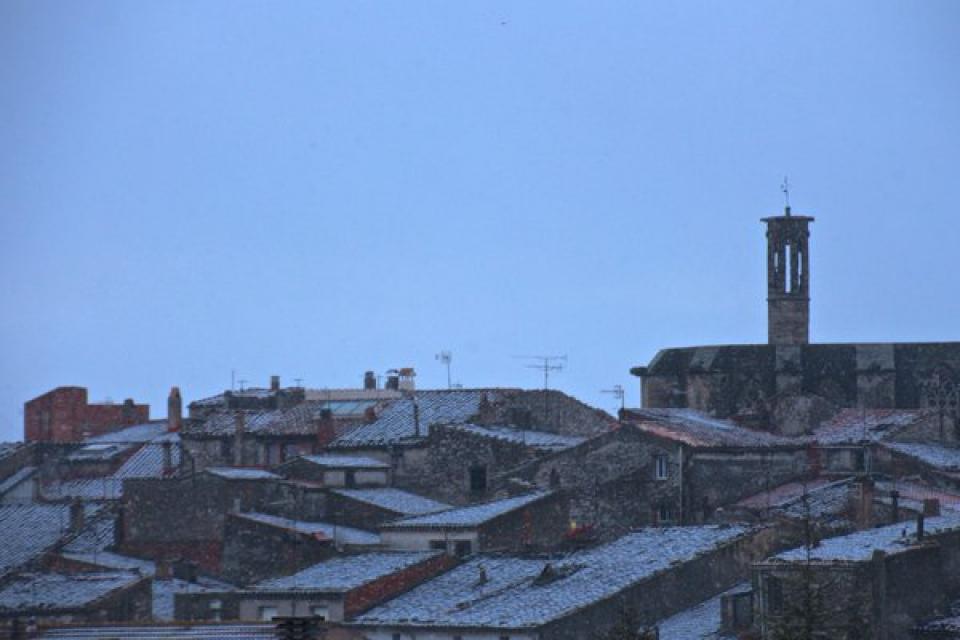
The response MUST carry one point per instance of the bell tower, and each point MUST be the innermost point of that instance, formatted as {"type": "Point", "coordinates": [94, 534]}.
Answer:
{"type": "Point", "coordinates": [788, 278]}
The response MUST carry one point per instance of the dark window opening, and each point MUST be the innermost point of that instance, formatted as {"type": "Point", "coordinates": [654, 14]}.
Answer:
{"type": "Point", "coordinates": [478, 479]}
{"type": "Point", "coordinates": [463, 548]}
{"type": "Point", "coordinates": [438, 545]}
{"type": "Point", "coordinates": [351, 479]}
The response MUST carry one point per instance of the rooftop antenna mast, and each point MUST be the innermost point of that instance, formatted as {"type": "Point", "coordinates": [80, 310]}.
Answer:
{"type": "Point", "coordinates": [445, 358]}
{"type": "Point", "coordinates": [617, 392]}
{"type": "Point", "coordinates": [785, 187]}
{"type": "Point", "coordinates": [546, 364]}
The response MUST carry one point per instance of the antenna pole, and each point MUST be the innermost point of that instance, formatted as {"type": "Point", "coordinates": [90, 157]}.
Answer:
{"type": "Point", "coordinates": [445, 357]}
{"type": "Point", "coordinates": [785, 187]}
{"type": "Point", "coordinates": [546, 364]}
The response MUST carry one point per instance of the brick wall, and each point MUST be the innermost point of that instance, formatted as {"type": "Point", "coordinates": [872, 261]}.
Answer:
{"type": "Point", "coordinates": [359, 600]}
{"type": "Point", "coordinates": [64, 415]}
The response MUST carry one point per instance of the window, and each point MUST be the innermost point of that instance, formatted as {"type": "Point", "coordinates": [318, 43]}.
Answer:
{"type": "Point", "coordinates": [216, 613]}
{"type": "Point", "coordinates": [664, 513]}
{"type": "Point", "coordinates": [438, 545]}
{"type": "Point", "coordinates": [395, 636]}
{"type": "Point", "coordinates": [661, 467]}
{"type": "Point", "coordinates": [351, 479]}
{"type": "Point", "coordinates": [463, 548]}
{"type": "Point", "coordinates": [266, 614]}
{"type": "Point", "coordinates": [321, 612]}
{"type": "Point", "coordinates": [478, 479]}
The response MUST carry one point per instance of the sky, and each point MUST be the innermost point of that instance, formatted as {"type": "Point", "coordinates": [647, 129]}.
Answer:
{"type": "Point", "coordinates": [194, 192]}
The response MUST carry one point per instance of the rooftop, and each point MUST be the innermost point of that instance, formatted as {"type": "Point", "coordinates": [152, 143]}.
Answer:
{"type": "Point", "coordinates": [861, 545]}
{"type": "Point", "coordinates": [697, 429]}
{"type": "Point", "coordinates": [396, 500]}
{"type": "Point", "coordinates": [197, 631]}
{"type": "Point", "coordinates": [29, 530]}
{"type": "Point", "coordinates": [320, 530]}
{"type": "Point", "coordinates": [701, 622]}
{"type": "Point", "coordinates": [241, 473]}
{"type": "Point", "coordinates": [506, 592]}
{"type": "Point", "coordinates": [345, 573]}
{"type": "Point", "coordinates": [471, 516]}
{"type": "Point", "coordinates": [851, 426]}
{"type": "Point", "coordinates": [535, 439]}
{"type": "Point", "coordinates": [60, 592]}
{"type": "Point", "coordinates": [935, 455]}
{"type": "Point", "coordinates": [402, 422]}
{"type": "Point", "coordinates": [334, 461]}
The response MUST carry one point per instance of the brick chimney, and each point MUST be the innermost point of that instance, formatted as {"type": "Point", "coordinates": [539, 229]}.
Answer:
{"type": "Point", "coordinates": [174, 410]}
{"type": "Point", "coordinates": [369, 380]}
{"type": "Point", "coordinates": [865, 495]}
{"type": "Point", "coordinates": [274, 383]}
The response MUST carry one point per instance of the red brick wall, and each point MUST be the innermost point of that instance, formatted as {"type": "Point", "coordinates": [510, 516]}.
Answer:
{"type": "Point", "coordinates": [206, 554]}
{"type": "Point", "coordinates": [63, 415]}
{"type": "Point", "coordinates": [362, 598]}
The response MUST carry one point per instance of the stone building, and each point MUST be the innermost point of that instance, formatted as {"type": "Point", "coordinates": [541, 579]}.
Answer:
{"type": "Point", "coordinates": [536, 520]}
{"type": "Point", "coordinates": [878, 583]}
{"type": "Point", "coordinates": [399, 435]}
{"type": "Point", "coordinates": [333, 590]}
{"type": "Point", "coordinates": [653, 573]}
{"type": "Point", "coordinates": [65, 415]}
{"type": "Point", "coordinates": [789, 384]}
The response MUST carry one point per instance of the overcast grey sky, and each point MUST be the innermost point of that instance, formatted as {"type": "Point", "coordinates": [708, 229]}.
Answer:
{"type": "Point", "coordinates": [314, 189]}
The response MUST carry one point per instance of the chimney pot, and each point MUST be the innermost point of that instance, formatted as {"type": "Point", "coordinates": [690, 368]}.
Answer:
{"type": "Point", "coordinates": [174, 410]}
{"type": "Point", "coordinates": [369, 380]}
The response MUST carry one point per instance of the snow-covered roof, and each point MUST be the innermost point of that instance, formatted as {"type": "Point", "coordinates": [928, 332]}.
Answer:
{"type": "Point", "coordinates": [236, 631]}
{"type": "Point", "coordinates": [147, 462]}
{"type": "Point", "coordinates": [471, 516]}
{"type": "Point", "coordinates": [860, 546]}
{"type": "Point", "coordinates": [87, 489]}
{"type": "Point", "coordinates": [534, 439]}
{"type": "Point", "coordinates": [135, 434]}
{"type": "Point", "coordinates": [346, 573]}
{"type": "Point", "coordinates": [850, 426]}
{"type": "Point", "coordinates": [505, 592]}
{"type": "Point", "coordinates": [334, 461]}
{"type": "Point", "coordinates": [697, 429]}
{"type": "Point", "coordinates": [8, 449]}
{"type": "Point", "coordinates": [700, 622]}
{"type": "Point", "coordinates": [164, 590]}
{"type": "Point", "coordinates": [16, 478]}
{"type": "Point", "coordinates": [297, 420]}
{"type": "Point", "coordinates": [29, 530]}
{"type": "Point", "coordinates": [935, 455]}
{"type": "Point", "coordinates": [97, 534]}
{"type": "Point", "coordinates": [338, 533]}
{"type": "Point", "coordinates": [404, 419]}
{"type": "Point", "coordinates": [60, 592]}
{"type": "Point", "coordinates": [241, 473]}
{"type": "Point", "coordinates": [396, 500]}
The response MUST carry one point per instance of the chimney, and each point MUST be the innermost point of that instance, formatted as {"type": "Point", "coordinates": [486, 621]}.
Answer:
{"type": "Point", "coordinates": [895, 506]}
{"type": "Point", "coordinates": [77, 516]}
{"type": "Point", "coordinates": [406, 382]}
{"type": "Point", "coordinates": [393, 380]}
{"type": "Point", "coordinates": [174, 410]}
{"type": "Point", "coordinates": [919, 527]}
{"type": "Point", "coordinates": [128, 412]}
{"type": "Point", "coordinates": [326, 428]}
{"type": "Point", "coordinates": [274, 383]}
{"type": "Point", "coordinates": [167, 458]}
{"type": "Point", "coordinates": [238, 439]}
{"type": "Point", "coordinates": [931, 507]}
{"type": "Point", "coordinates": [369, 380]}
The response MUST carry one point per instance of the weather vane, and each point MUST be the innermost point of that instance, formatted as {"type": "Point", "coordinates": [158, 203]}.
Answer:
{"type": "Point", "coordinates": [785, 187]}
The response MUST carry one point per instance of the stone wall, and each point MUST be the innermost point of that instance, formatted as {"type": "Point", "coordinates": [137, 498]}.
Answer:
{"type": "Point", "coordinates": [254, 551]}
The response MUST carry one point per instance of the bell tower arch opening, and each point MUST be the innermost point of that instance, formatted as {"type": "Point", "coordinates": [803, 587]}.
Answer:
{"type": "Point", "coordinates": [788, 278]}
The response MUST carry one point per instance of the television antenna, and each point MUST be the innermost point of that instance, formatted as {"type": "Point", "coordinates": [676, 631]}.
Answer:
{"type": "Point", "coordinates": [617, 392]}
{"type": "Point", "coordinates": [241, 382]}
{"type": "Point", "coordinates": [785, 187]}
{"type": "Point", "coordinates": [445, 358]}
{"type": "Point", "coordinates": [546, 364]}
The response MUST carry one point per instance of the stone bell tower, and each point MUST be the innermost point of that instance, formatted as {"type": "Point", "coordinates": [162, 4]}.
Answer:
{"type": "Point", "coordinates": [788, 279]}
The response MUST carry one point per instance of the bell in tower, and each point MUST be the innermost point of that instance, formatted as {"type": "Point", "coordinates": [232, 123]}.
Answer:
{"type": "Point", "coordinates": [788, 278]}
